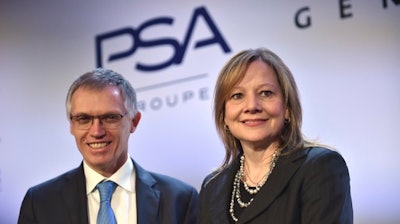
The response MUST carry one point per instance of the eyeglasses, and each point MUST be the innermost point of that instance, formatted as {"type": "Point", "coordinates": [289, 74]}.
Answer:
{"type": "Point", "coordinates": [85, 121]}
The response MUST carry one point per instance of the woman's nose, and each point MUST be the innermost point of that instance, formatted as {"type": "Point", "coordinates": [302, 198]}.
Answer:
{"type": "Point", "coordinates": [252, 104]}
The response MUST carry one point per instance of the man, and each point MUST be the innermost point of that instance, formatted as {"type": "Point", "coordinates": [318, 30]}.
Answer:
{"type": "Point", "coordinates": [102, 110]}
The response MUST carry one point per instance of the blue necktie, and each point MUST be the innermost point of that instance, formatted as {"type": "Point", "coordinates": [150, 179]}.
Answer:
{"type": "Point", "coordinates": [106, 214]}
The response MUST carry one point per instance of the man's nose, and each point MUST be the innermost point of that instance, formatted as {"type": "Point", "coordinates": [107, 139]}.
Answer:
{"type": "Point", "coordinates": [97, 129]}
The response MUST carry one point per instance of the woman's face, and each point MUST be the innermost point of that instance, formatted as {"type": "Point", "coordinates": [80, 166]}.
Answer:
{"type": "Point", "coordinates": [254, 111]}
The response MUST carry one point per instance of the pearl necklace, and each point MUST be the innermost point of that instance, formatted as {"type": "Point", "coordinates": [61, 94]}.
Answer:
{"type": "Point", "coordinates": [239, 178]}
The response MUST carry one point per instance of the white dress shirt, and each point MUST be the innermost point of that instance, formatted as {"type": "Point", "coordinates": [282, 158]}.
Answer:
{"type": "Point", "coordinates": [123, 201]}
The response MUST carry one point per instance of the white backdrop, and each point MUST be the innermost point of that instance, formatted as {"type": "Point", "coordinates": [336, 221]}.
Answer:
{"type": "Point", "coordinates": [345, 60]}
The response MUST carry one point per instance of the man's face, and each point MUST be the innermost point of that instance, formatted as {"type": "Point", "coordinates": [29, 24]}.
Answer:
{"type": "Point", "coordinates": [103, 145]}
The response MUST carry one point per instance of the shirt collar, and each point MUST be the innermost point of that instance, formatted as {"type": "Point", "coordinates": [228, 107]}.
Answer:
{"type": "Point", "coordinates": [122, 177]}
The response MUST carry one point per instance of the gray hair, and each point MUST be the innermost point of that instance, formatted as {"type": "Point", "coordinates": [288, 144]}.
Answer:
{"type": "Point", "coordinates": [99, 79]}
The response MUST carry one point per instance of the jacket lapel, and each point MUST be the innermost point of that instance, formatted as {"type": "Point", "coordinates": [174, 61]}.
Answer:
{"type": "Point", "coordinates": [148, 200]}
{"type": "Point", "coordinates": [285, 168]}
{"type": "Point", "coordinates": [74, 195]}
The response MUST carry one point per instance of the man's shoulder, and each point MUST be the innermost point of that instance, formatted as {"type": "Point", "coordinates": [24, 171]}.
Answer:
{"type": "Point", "coordinates": [58, 181]}
{"type": "Point", "coordinates": [159, 179]}
{"type": "Point", "coordinates": [167, 180]}
{"type": "Point", "coordinates": [163, 182]}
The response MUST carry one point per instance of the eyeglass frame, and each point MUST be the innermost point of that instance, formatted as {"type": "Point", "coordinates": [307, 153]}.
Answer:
{"type": "Point", "coordinates": [106, 124]}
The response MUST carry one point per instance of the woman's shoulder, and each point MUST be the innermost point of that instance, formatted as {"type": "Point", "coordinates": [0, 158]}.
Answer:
{"type": "Point", "coordinates": [217, 176]}
{"type": "Point", "coordinates": [323, 155]}
{"type": "Point", "coordinates": [320, 151]}
{"type": "Point", "coordinates": [213, 177]}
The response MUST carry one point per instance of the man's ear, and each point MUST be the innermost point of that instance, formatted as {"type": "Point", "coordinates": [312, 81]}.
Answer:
{"type": "Point", "coordinates": [71, 130]}
{"type": "Point", "coordinates": [135, 121]}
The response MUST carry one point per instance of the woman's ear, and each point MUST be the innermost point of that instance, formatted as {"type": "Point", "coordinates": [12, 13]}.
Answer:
{"type": "Point", "coordinates": [287, 114]}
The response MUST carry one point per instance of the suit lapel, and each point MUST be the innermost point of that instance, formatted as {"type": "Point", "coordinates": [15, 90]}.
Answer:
{"type": "Point", "coordinates": [285, 168]}
{"type": "Point", "coordinates": [148, 200]}
{"type": "Point", "coordinates": [74, 195]}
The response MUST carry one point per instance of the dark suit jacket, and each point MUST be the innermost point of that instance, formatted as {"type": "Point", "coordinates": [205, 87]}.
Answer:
{"type": "Point", "coordinates": [159, 198]}
{"type": "Point", "coordinates": [309, 186]}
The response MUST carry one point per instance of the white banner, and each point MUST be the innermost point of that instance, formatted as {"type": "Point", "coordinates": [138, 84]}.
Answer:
{"type": "Point", "coordinates": [344, 55]}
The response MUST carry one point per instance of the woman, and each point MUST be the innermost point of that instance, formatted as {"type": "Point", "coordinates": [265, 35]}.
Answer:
{"type": "Point", "coordinates": [270, 173]}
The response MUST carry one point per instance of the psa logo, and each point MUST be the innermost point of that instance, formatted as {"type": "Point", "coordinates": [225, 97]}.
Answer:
{"type": "Point", "coordinates": [179, 48]}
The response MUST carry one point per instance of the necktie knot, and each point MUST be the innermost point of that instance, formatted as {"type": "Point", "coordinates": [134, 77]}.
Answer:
{"type": "Point", "coordinates": [106, 189]}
